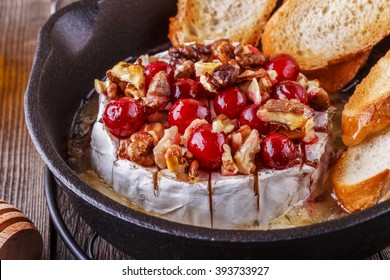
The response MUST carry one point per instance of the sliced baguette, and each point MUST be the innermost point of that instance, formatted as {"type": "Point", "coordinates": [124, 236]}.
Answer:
{"type": "Point", "coordinates": [322, 32]}
{"type": "Point", "coordinates": [361, 176]}
{"type": "Point", "coordinates": [330, 39]}
{"type": "Point", "coordinates": [336, 76]}
{"type": "Point", "coordinates": [241, 21]}
{"type": "Point", "coordinates": [368, 110]}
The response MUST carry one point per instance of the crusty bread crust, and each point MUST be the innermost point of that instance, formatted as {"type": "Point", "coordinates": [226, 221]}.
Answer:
{"type": "Point", "coordinates": [319, 33]}
{"type": "Point", "coordinates": [365, 129]}
{"type": "Point", "coordinates": [199, 20]}
{"type": "Point", "coordinates": [361, 195]}
{"type": "Point", "coordinates": [364, 124]}
{"type": "Point", "coordinates": [335, 76]}
{"type": "Point", "coordinates": [367, 112]}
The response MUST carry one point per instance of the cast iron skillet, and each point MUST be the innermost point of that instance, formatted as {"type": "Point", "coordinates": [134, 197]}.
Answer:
{"type": "Point", "coordinates": [76, 45]}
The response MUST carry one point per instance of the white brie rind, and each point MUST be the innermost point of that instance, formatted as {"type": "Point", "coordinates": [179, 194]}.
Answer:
{"type": "Point", "coordinates": [319, 152]}
{"type": "Point", "coordinates": [103, 102]}
{"type": "Point", "coordinates": [234, 202]}
{"type": "Point", "coordinates": [134, 182]}
{"type": "Point", "coordinates": [280, 190]}
{"type": "Point", "coordinates": [103, 152]}
{"type": "Point", "coordinates": [321, 120]}
{"type": "Point", "coordinates": [183, 202]}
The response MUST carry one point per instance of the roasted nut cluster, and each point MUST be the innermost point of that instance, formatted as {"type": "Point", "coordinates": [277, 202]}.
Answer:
{"type": "Point", "coordinates": [211, 106]}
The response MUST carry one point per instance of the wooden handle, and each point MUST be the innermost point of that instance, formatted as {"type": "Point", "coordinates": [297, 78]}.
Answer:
{"type": "Point", "coordinates": [19, 238]}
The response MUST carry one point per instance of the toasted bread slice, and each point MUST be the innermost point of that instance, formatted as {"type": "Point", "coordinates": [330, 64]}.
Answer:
{"type": "Point", "coordinates": [241, 21]}
{"type": "Point", "coordinates": [368, 109]}
{"type": "Point", "coordinates": [322, 32]}
{"type": "Point", "coordinates": [361, 176]}
{"type": "Point", "coordinates": [336, 76]}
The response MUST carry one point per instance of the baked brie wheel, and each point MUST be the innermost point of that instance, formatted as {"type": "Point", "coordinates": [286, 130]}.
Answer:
{"type": "Point", "coordinates": [214, 135]}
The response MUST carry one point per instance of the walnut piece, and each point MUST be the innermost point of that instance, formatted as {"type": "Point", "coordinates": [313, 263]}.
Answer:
{"type": "Point", "coordinates": [185, 70]}
{"type": "Point", "coordinates": [184, 167]}
{"type": "Point", "coordinates": [128, 72]}
{"type": "Point", "coordinates": [310, 133]}
{"type": "Point", "coordinates": [159, 92]}
{"type": "Point", "coordinates": [124, 79]}
{"type": "Point", "coordinates": [201, 67]}
{"type": "Point", "coordinates": [138, 148]}
{"type": "Point", "coordinates": [247, 59]}
{"type": "Point", "coordinates": [176, 163]}
{"type": "Point", "coordinates": [290, 113]}
{"type": "Point", "coordinates": [228, 168]}
{"type": "Point", "coordinates": [171, 137]}
{"type": "Point", "coordinates": [318, 97]}
{"type": "Point", "coordinates": [254, 92]}
{"type": "Point", "coordinates": [250, 74]}
{"type": "Point", "coordinates": [193, 172]}
{"type": "Point", "coordinates": [109, 88]}
{"type": "Point", "coordinates": [154, 129]}
{"type": "Point", "coordinates": [245, 156]}
{"type": "Point", "coordinates": [223, 50]}
{"type": "Point", "coordinates": [194, 52]}
{"type": "Point", "coordinates": [238, 137]}
{"type": "Point", "coordinates": [223, 124]}
{"type": "Point", "coordinates": [223, 76]}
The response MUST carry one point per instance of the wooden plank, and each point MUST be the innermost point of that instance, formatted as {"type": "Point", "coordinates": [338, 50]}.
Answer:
{"type": "Point", "coordinates": [21, 169]}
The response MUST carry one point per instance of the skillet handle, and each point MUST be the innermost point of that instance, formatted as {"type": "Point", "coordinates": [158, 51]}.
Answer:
{"type": "Point", "coordinates": [58, 222]}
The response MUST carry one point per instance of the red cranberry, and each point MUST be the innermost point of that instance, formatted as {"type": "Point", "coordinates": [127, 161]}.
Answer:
{"type": "Point", "coordinates": [285, 65]}
{"type": "Point", "coordinates": [290, 90]}
{"type": "Point", "coordinates": [184, 111]}
{"type": "Point", "coordinates": [253, 49]}
{"type": "Point", "coordinates": [202, 90]}
{"type": "Point", "coordinates": [278, 151]}
{"type": "Point", "coordinates": [311, 95]}
{"type": "Point", "coordinates": [207, 147]}
{"type": "Point", "coordinates": [230, 102]}
{"type": "Point", "coordinates": [123, 117]}
{"type": "Point", "coordinates": [248, 117]}
{"type": "Point", "coordinates": [185, 88]}
{"type": "Point", "coordinates": [153, 68]}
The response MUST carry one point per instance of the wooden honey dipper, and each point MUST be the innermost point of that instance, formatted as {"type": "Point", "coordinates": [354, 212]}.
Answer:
{"type": "Point", "coordinates": [19, 238]}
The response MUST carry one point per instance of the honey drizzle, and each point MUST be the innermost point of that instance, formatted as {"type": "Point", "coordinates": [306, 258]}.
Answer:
{"type": "Point", "coordinates": [155, 182]}
{"type": "Point", "coordinates": [256, 187]}
{"type": "Point", "coordinates": [210, 200]}
{"type": "Point", "coordinates": [256, 183]}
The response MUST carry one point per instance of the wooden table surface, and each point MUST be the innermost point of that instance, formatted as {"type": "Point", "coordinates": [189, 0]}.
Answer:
{"type": "Point", "coordinates": [21, 169]}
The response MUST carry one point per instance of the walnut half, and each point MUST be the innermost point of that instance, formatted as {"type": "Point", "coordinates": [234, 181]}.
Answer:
{"type": "Point", "coordinates": [171, 137]}
{"type": "Point", "coordinates": [228, 168]}
{"type": "Point", "coordinates": [176, 163]}
{"type": "Point", "coordinates": [245, 156]}
{"type": "Point", "coordinates": [291, 113]}
{"type": "Point", "coordinates": [138, 148]}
